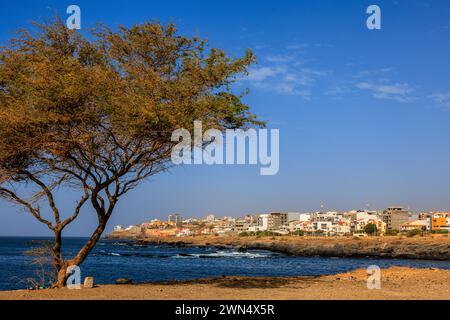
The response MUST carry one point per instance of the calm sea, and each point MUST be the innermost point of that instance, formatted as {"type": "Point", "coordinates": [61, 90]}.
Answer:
{"type": "Point", "coordinates": [148, 263]}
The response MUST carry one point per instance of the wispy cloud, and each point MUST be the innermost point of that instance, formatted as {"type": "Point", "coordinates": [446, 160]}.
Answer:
{"type": "Point", "coordinates": [441, 99]}
{"type": "Point", "coordinates": [338, 91]}
{"type": "Point", "coordinates": [372, 73]}
{"type": "Point", "coordinates": [300, 46]}
{"type": "Point", "coordinates": [264, 73]}
{"type": "Point", "coordinates": [279, 58]}
{"type": "Point", "coordinates": [401, 92]}
{"type": "Point", "coordinates": [285, 78]}
{"type": "Point", "coordinates": [288, 72]}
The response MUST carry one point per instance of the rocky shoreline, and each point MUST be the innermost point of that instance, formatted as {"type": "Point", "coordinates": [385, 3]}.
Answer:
{"type": "Point", "coordinates": [381, 247]}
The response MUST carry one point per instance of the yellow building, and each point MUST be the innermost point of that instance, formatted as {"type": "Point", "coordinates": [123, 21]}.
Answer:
{"type": "Point", "coordinates": [415, 225]}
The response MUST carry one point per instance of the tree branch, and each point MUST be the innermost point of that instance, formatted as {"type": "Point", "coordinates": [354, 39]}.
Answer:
{"type": "Point", "coordinates": [34, 211]}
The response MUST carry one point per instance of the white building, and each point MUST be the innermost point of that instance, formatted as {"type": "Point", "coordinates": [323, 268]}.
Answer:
{"type": "Point", "coordinates": [304, 217]}
{"type": "Point", "coordinates": [255, 229]}
{"type": "Point", "coordinates": [263, 222]}
{"type": "Point", "coordinates": [118, 229]}
{"type": "Point", "coordinates": [293, 216]}
{"type": "Point", "coordinates": [325, 226]}
{"type": "Point", "coordinates": [185, 233]}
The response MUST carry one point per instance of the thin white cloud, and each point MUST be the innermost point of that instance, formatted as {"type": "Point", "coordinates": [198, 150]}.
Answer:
{"type": "Point", "coordinates": [308, 45]}
{"type": "Point", "coordinates": [372, 73]}
{"type": "Point", "coordinates": [279, 58]}
{"type": "Point", "coordinates": [264, 73]}
{"type": "Point", "coordinates": [401, 92]}
{"type": "Point", "coordinates": [441, 99]}
{"type": "Point", "coordinates": [285, 73]}
{"type": "Point", "coordinates": [298, 46]}
{"type": "Point", "coordinates": [338, 91]}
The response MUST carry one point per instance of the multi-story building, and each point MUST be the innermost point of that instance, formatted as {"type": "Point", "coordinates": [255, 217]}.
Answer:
{"type": "Point", "coordinates": [341, 227]}
{"type": "Point", "coordinates": [251, 219]}
{"type": "Point", "coordinates": [424, 216]}
{"type": "Point", "coordinates": [272, 221]}
{"type": "Point", "coordinates": [278, 220]}
{"type": "Point", "coordinates": [293, 216]}
{"type": "Point", "coordinates": [360, 219]}
{"type": "Point", "coordinates": [305, 217]}
{"type": "Point", "coordinates": [240, 225]}
{"type": "Point", "coordinates": [324, 226]}
{"type": "Point", "coordinates": [438, 221]}
{"type": "Point", "coordinates": [395, 218]}
{"type": "Point", "coordinates": [176, 219]}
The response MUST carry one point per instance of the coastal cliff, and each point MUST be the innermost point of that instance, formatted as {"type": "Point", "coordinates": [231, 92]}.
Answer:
{"type": "Point", "coordinates": [358, 249]}
{"type": "Point", "coordinates": [427, 248]}
{"type": "Point", "coordinates": [398, 284]}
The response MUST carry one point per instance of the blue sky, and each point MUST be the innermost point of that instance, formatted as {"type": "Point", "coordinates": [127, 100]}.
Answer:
{"type": "Point", "coordinates": [363, 115]}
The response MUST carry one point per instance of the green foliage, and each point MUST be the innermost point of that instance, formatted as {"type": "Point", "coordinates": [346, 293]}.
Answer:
{"type": "Point", "coordinates": [299, 233]}
{"type": "Point", "coordinates": [45, 273]}
{"type": "Point", "coordinates": [370, 229]}
{"type": "Point", "coordinates": [414, 232]}
{"type": "Point", "coordinates": [266, 233]}
{"type": "Point", "coordinates": [440, 232]}
{"type": "Point", "coordinates": [391, 232]}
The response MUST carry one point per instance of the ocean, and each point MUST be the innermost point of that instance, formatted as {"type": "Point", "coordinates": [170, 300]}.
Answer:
{"type": "Point", "coordinates": [112, 259]}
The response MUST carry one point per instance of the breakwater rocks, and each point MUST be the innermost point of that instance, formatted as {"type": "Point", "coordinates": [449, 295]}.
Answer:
{"type": "Point", "coordinates": [425, 249]}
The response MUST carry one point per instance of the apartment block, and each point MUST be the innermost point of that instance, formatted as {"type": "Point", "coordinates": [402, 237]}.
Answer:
{"type": "Point", "coordinates": [395, 218]}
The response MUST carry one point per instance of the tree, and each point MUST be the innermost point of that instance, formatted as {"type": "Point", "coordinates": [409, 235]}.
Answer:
{"type": "Point", "coordinates": [96, 115]}
{"type": "Point", "coordinates": [299, 233]}
{"type": "Point", "coordinates": [371, 229]}
{"type": "Point", "coordinates": [391, 232]}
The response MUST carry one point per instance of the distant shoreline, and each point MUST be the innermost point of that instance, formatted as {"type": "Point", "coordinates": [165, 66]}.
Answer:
{"type": "Point", "coordinates": [420, 248]}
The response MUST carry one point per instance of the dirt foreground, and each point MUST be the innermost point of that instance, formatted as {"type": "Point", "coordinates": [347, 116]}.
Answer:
{"type": "Point", "coordinates": [396, 284]}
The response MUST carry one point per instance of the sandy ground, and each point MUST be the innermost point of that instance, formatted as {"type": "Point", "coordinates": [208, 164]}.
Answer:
{"type": "Point", "coordinates": [396, 284]}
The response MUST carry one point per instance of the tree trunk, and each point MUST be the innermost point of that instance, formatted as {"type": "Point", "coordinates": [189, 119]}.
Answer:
{"type": "Point", "coordinates": [81, 256]}
{"type": "Point", "coordinates": [59, 261]}
{"type": "Point", "coordinates": [84, 252]}
{"type": "Point", "coordinates": [62, 277]}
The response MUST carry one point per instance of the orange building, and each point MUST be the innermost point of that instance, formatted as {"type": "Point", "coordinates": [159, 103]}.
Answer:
{"type": "Point", "coordinates": [439, 223]}
{"type": "Point", "coordinates": [161, 232]}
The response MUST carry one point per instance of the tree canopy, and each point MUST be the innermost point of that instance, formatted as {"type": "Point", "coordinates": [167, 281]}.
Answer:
{"type": "Point", "coordinates": [371, 229]}
{"type": "Point", "coordinates": [96, 113]}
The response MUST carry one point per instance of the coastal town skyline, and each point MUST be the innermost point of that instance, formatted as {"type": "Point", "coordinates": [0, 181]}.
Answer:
{"type": "Point", "coordinates": [142, 217]}
{"type": "Point", "coordinates": [391, 220]}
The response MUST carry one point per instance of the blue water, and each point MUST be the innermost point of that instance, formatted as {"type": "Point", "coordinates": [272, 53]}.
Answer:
{"type": "Point", "coordinates": [113, 259]}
